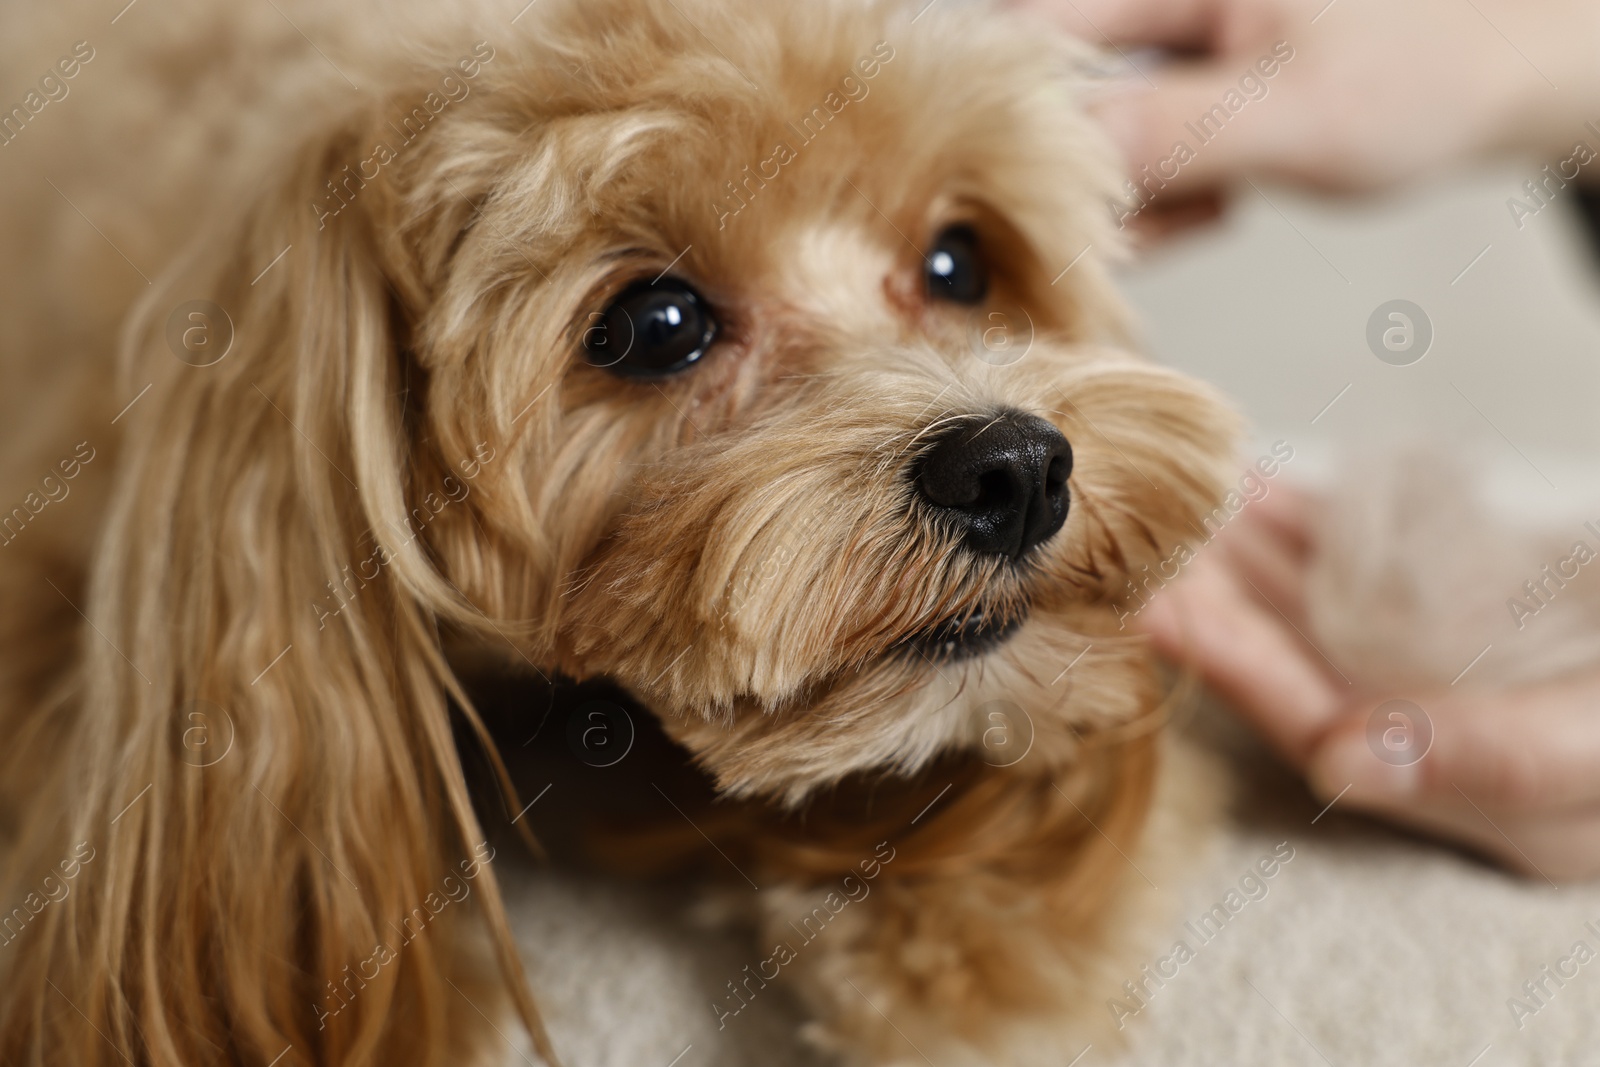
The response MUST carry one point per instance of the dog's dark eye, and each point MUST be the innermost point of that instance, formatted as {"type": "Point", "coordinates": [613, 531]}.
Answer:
{"type": "Point", "coordinates": [651, 329]}
{"type": "Point", "coordinates": [955, 267]}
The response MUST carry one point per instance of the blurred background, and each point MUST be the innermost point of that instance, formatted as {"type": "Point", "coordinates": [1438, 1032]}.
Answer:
{"type": "Point", "coordinates": [1273, 304]}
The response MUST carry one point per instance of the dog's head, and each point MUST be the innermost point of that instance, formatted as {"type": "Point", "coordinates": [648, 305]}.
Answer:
{"type": "Point", "coordinates": [831, 453]}
{"type": "Point", "coordinates": [760, 357]}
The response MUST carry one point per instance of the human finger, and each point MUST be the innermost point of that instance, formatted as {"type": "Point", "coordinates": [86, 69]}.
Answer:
{"type": "Point", "coordinates": [1209, 621]}
{"type": "Point", "coordinates": [1524, 751]}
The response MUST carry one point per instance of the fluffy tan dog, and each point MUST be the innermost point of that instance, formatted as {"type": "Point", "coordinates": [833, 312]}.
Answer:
{"type": "Point", "coordinates": [640, 339]}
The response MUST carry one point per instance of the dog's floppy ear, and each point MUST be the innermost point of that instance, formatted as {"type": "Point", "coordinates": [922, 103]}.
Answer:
{"type": "Point", "coordinates": [261, 759]}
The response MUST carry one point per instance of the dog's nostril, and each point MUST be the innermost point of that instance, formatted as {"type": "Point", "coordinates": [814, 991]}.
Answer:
{"type": "Point", "coordinates": [1055, 476]}
{"type": "Point", "coordinates": [996, 489]}
{"type": "Point", "coordinates": [1004, 479]}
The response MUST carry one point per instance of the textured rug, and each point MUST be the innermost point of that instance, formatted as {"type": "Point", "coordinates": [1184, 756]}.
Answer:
{"type": "Point", "coordinates": [1365, 948]}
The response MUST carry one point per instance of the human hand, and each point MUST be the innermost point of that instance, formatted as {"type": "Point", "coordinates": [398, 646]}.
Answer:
{"type": "Point", "coordinates": [1375, 92]}
{"type": "Point", "coordinates": [1513, 774]}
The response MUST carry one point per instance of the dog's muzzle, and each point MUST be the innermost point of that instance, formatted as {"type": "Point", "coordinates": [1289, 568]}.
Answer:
{"type": "Point", "coordinates": [1003, 480]}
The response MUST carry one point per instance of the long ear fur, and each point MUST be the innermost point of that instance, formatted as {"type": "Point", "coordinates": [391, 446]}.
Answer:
{"type": "Point", "coordinates": [267, 904]}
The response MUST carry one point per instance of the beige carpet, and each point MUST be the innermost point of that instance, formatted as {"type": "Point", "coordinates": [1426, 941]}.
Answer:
{"type": "Point", "coordinates": [1367, 949]}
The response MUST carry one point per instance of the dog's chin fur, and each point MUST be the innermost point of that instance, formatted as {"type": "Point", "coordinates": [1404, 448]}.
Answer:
{"type": "Point", "coordinates": [404, 451]}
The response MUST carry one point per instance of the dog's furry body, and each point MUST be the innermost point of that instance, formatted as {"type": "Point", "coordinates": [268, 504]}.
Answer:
{"type": "Point", "coordinates": [402, 452]}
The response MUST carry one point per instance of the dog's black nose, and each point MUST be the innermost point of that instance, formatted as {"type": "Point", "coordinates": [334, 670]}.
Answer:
{"type": "Point", "coordinates": [1003, 478]}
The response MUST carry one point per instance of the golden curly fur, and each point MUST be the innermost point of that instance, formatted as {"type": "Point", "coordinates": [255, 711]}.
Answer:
{"type": "Point", "coordinates": [402, 465]}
